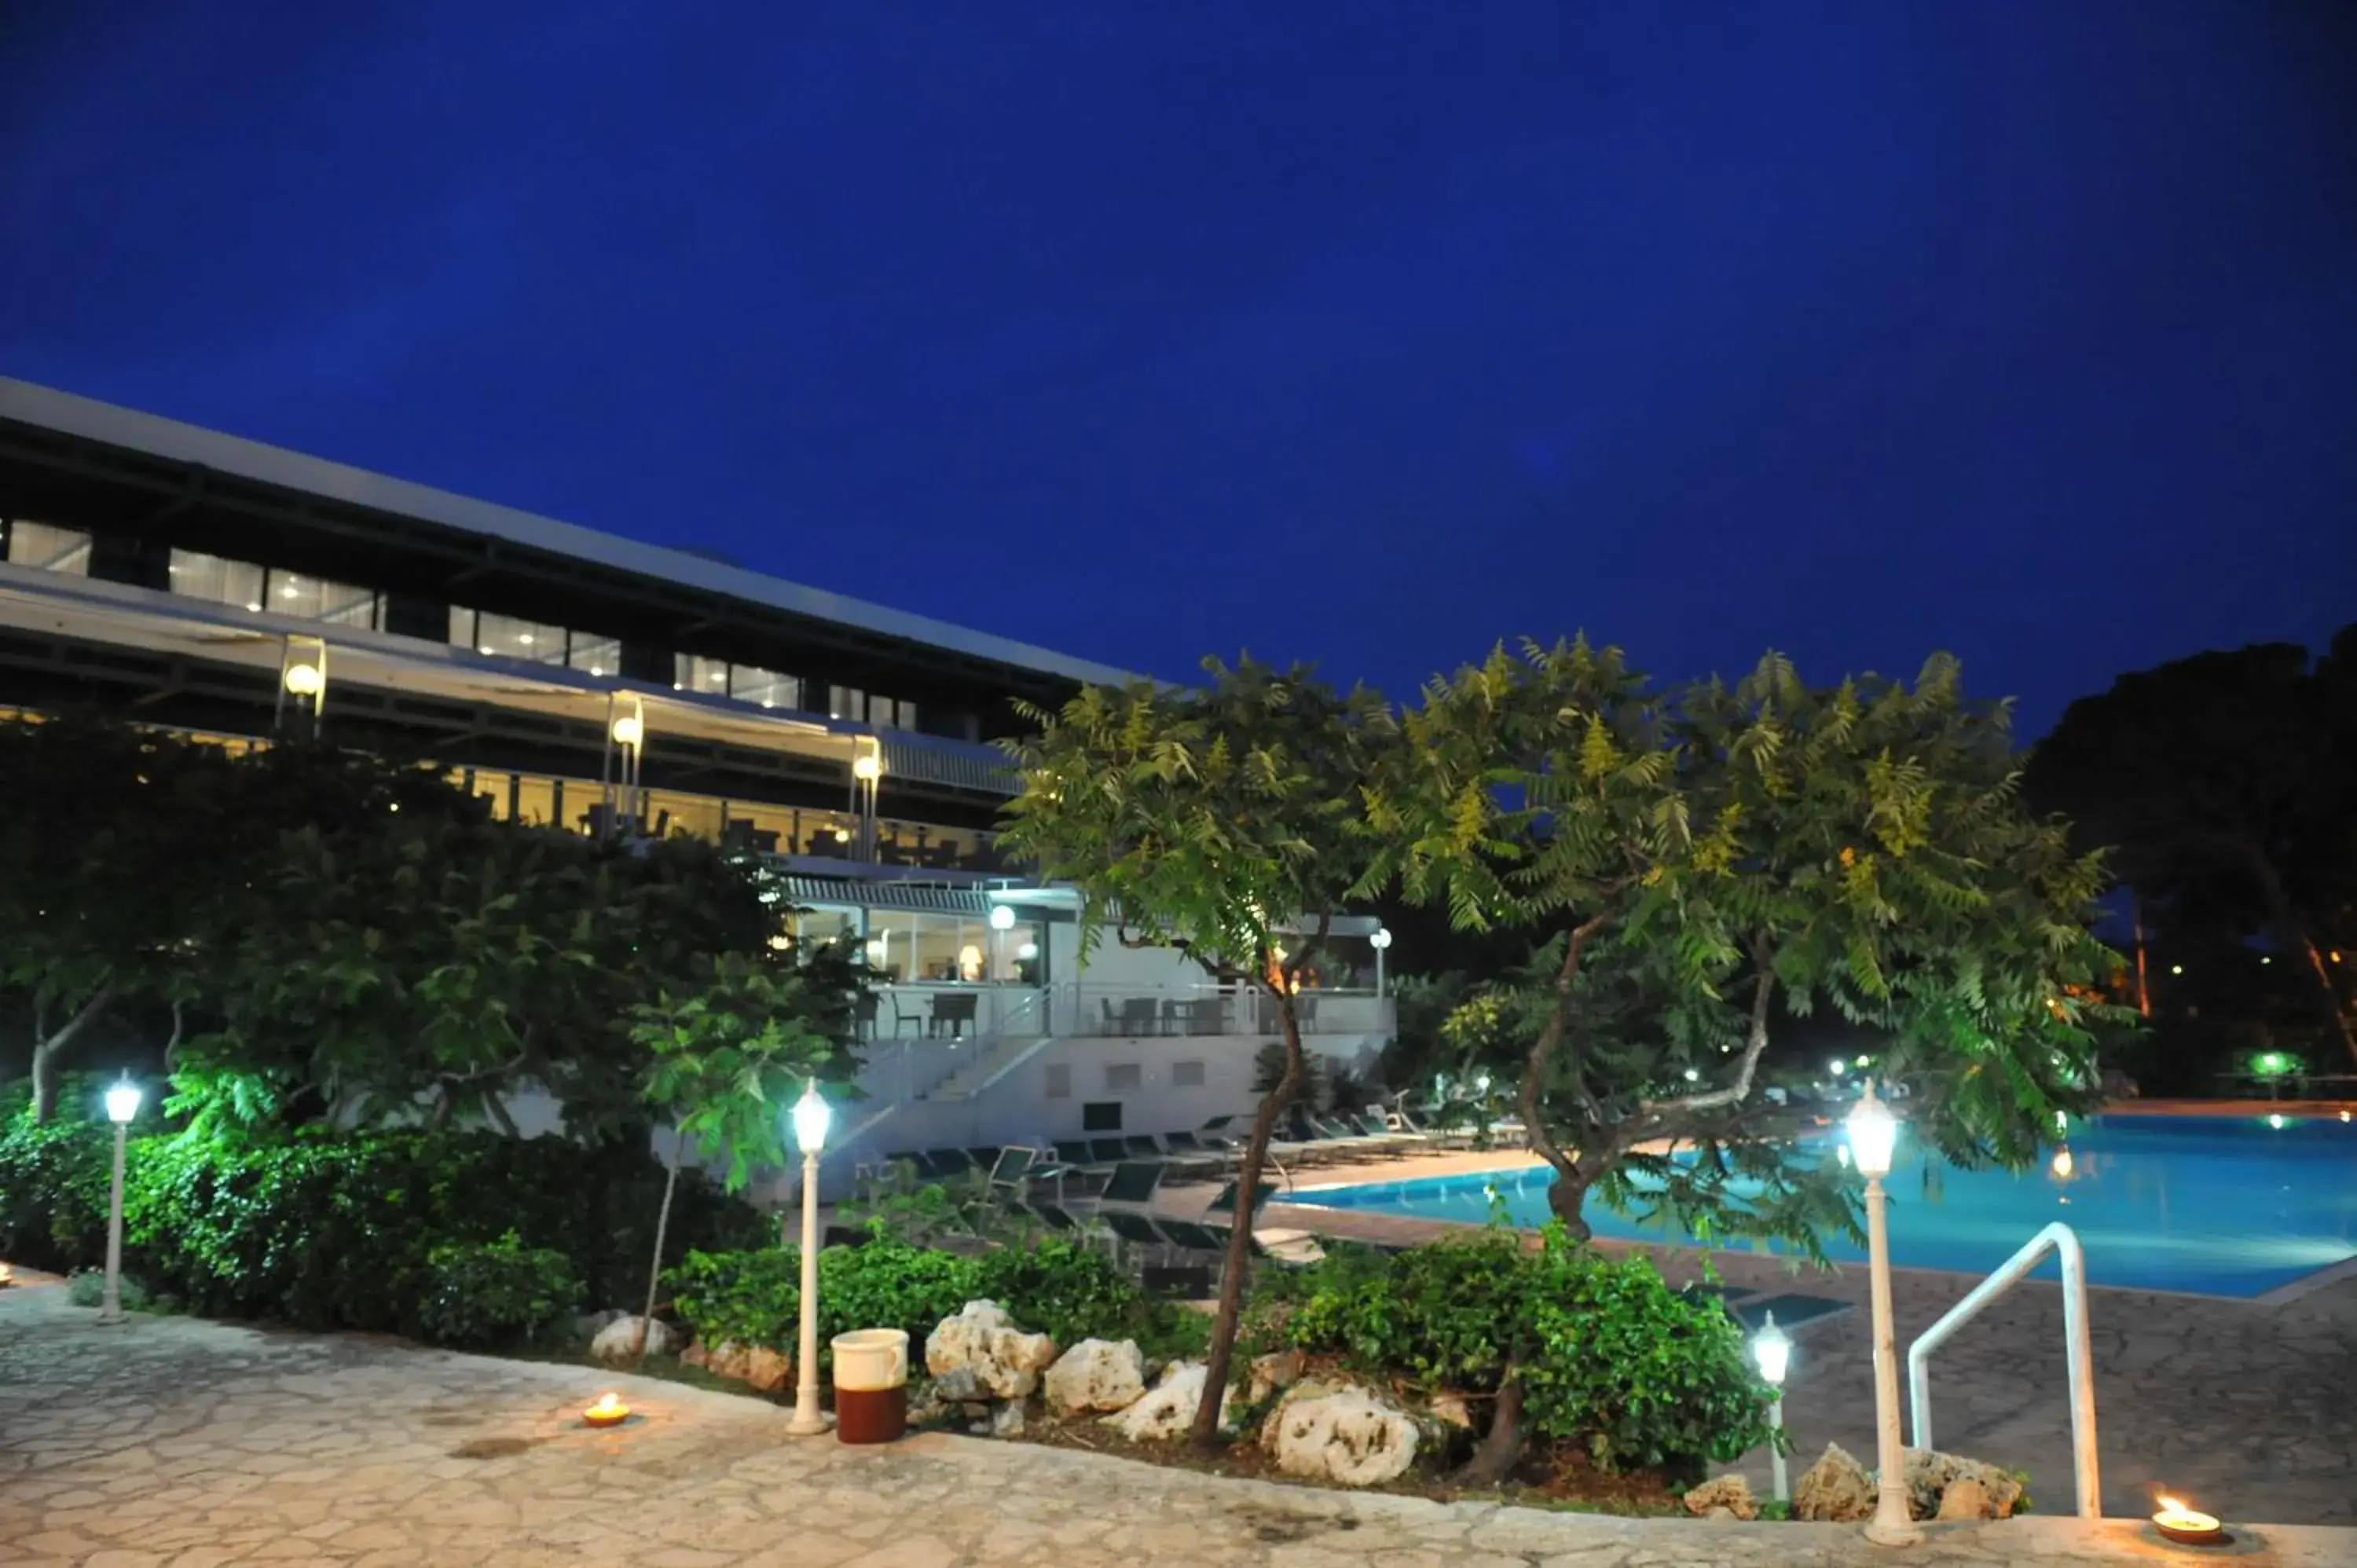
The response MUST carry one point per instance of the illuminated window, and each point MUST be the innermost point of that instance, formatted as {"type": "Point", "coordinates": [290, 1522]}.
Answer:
{"type": "Point", "coordinates": [766, 687]}
{"type": "Point", "coordinates": [318, 598]}
{"type": "Point", "coordinates": [510, 637]}
{"type": "Point", "coordinates": [216, 580]}
{"type": "Point", "coordinates": [845, 703]}
{"type": "Point", "coordinates": [47, 549]}
{"type": "Point", "coordinates": [694, 673]}
{"type": "Point", "coordinates": [595, 655]}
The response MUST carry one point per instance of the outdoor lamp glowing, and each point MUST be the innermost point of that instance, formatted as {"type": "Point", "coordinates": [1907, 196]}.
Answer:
{"type": "Point", "coordinates": [1838, 1066]}
{"type": "Point", "coordinates": [1873, 1131]}
{"type": "Point", "coordinates": [811, 1117]}
{"type": "Point", "coordinates": [609, 1411]}
{"type": "Point", "coordinates": [1771, 1347]}
{"type": "Point", "coordinates": [2185, 1525]}
{"type": "Point", "coordinates": [1380, 939]}
{"type": "Point", "coordinates": [123, 1102]}
{"type": "Point", "coordinates": [868, 766]}
{"type": "Point", "coordinates": [630, 730]}
{"type": "Point", "coordinates": [305, 680]}
{"type": "Point", "coordinates": [1002, 916]}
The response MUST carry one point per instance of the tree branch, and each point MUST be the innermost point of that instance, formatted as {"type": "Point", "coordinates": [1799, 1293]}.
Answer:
{"type": "Point", "coordinates": [1764, 988]}
{"type": "Point", "coordinates": [1549, 1039]}
{"type": "Point", "coordinates": [73, 1025]}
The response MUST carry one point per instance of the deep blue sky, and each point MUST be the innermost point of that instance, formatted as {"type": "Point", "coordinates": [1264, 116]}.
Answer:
{"type": "Point", "coordinates": [1365, 332]}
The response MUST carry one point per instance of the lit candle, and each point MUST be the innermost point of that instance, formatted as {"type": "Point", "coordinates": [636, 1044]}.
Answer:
{"type": "Point", "coordinates": [2181, 1523]}
{"type": "Point", "coordinates": [609, 1411]}
{"type": "Point", "coordinates": [8, 1275]}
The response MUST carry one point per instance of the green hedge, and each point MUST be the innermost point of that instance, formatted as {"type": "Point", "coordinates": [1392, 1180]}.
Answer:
{"type": "Point", "coordinates": [1068, 1292]}
{"type": "Point", "coordinates": [1611, 1358]}
{"type": "Point", "coordinates": [326, 1230]}
{"type": "Point", "coordinates": [488, 1294]}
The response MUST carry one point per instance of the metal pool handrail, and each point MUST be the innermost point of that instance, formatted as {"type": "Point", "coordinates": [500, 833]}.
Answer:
{"type": "Point", "coordinates": [2064, 1242]}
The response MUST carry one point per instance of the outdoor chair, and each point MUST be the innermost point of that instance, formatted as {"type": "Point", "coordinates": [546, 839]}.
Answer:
{"type": "Point", "coordinates": [1108, 1151]}
{"type": "Point", "coordinates": [953, 1012]}
{"type": "Point", "coordinates": [1133, 1182]}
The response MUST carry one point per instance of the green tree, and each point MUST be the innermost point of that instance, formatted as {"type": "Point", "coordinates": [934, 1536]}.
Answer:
{"type": "Point", "coordinates": [123, 850]}
{"type": "Point", "coordinates": [727, 1059]}
{"type": "Point", "coordinates": [1697, 871]}
{"type": "Point", "coordinates": [2222, 783]}
{"type": "Point", "coordinates": [1224, 821]}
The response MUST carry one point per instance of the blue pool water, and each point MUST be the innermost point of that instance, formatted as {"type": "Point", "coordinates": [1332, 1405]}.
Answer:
{"type": "Point", "coordinates": [2208, 1205]}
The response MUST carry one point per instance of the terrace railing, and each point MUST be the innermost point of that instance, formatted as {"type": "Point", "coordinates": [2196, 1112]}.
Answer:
{"type": "Point", "coordinates": [1114, 1011]}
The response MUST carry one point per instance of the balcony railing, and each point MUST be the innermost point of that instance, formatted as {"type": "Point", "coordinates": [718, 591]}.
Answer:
{"type": "Point", "coordinates": [1113, 1011]}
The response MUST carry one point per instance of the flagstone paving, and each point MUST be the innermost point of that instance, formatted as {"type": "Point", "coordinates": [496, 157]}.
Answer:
{"type": "Point", "coordinates": [173, 1441]}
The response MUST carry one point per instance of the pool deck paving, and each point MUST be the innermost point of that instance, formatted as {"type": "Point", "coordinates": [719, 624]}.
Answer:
{"type": "Point", "coordinates": [2247, 1407]}
{"type": "Point", "coordinates": [172, 1441]}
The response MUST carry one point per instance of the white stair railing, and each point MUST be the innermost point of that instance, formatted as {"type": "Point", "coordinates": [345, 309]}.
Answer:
{"type": "Point", "coordinates": [2064, 1242]}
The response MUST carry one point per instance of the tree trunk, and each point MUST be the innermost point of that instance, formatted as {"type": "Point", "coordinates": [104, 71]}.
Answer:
{"type": "Point", "coordinates": [1567, 1195]}
{"type": "Point", "coordinates": [654, 1270]}
{"type": "Point", "coordinates": [50, 1049]}
{"type": "Point", "coordinates": [1206, 1433]}
{"type": "Point", "coordinates": [1502, 1446]}
{"type": "Point", "coordinates": [1540, 1061]}
{"type": "Point", "coordinates": [2292, 931]}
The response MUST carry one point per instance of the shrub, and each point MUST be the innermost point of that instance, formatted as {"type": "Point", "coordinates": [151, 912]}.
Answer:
{"type": "Point", "coordinates": [329, 1232]}
{"type": "Point", "coordinates": [54, 1181]}
{"type": "Point", "coordinates": [87, 1288]}
{"type": "Point", "coordinates": [488, 1294]}
{"type": "Point", "coordinates": [1611, 1358]}
{"type": "Point", "coordinates": [1057, 1289]}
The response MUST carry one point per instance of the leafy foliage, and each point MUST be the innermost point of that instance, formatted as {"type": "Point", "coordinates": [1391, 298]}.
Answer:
{"type": "Point", "coordinates": [1609, 1358]}
{"type": "Point", "coordinates": [328, 1232]}
{"type": "Point", "coordinates": [490, 1294]}
{"type": "Point", "coordinates": [1065, 1291]}
{"type": "Point", "coordinates": [1699, 867]}
{"type": "Point", "coordinates": [2222, 785]}
{"type": "Point", "coordinates": [1224, 821]}
{"type": "Point", "coordinates": [54, 1181]}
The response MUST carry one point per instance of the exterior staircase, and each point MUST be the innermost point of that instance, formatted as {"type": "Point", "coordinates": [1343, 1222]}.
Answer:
{"type": "Point", "coordinates": [995, 1059]}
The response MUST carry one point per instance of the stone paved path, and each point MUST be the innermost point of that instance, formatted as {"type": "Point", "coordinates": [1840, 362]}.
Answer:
{"type": "Point", "coordinates": [171, 1441]}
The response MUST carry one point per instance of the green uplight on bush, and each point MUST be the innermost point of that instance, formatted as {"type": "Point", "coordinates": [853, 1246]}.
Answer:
{"type": "Point", "coordinates": [2273, 1064]}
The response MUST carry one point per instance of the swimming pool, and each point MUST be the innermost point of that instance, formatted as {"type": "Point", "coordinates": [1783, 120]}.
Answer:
{"type": "Point", "coordinates": [2205, 1204]}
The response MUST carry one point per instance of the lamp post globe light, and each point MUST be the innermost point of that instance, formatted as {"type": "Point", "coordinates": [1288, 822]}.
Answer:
{"type": "Point", "coordinates": [1873, 1136]}
{"type": "Point", "coordinates": [1771, 1347]}
{"type": "Point", "coordinates": [122, 1106]}
{"type": "Point", "coordinates": [1381, 942]}
{"type": "Point", "coordinates": [811, 1118]}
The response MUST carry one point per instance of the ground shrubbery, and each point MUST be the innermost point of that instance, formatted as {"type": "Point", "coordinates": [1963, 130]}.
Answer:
{"type": "Point", "coordinates": [1068, 1293]}
{"type": "Point", "coordinates": [358, 1230]}
{"type": "Point", "coordinates": [486, 1294]}
{"type": "Point", "coordinates": [1610, 1359]}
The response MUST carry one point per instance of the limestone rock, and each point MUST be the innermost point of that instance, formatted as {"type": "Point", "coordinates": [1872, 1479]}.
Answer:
{"type": "Point", "coordinates": [957, 1387]}
{"type": "Point", "coordinates": [590, 1323]}
{"type": "Point", "coordinates": [1932, 1476]}
{"type": "Point", "coordinates": [696, 1354]}
{"type": "Point", "coordinates": [767, 1370]}
{"type": "Point", "coordinates": [1097, 1375]}
{"type": "Point", "coordinates": [981, 1339]}
{"type": "Point", "coordinates": [1167, 1410]}
{"type": "Point", "coordinates": [1452, 1408]}
{"type": "Point", "coordinates": [1345, 1435]}
{"type": "Point", "coordinates": [1728, 1496]}
{"type": "Point", "coordinates": [618, 1339]}
{"type": "Point", "coordinates": [727, 1359]}
{"type": "Point", "coordinates": [1005, 1420]}
{"type": "Point", "coordinates": [1273, 1373]}
{"type": "Point", "coordinates": [1836, 1490]}
{"type": "Point", "coordinates": [1965, 1500]}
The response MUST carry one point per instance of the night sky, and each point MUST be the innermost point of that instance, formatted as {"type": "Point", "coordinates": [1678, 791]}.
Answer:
{"type": "Point", "coordinates": [1365, 333]}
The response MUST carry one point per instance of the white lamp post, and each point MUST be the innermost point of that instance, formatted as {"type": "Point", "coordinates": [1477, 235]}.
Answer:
{"type": "Point", "coordinates": [122, 1105]}
{"type": "Point", "coordinates": [811, 1117]}
{"type": "Point", "coordinates": [1873, 1131]}
{"type": "Point", "coordinates": [1002, 921]}
{"type": "Point", "coordinates": [1381, 942]}
{"type": "Point", "coordinates": [1771, 1347]}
